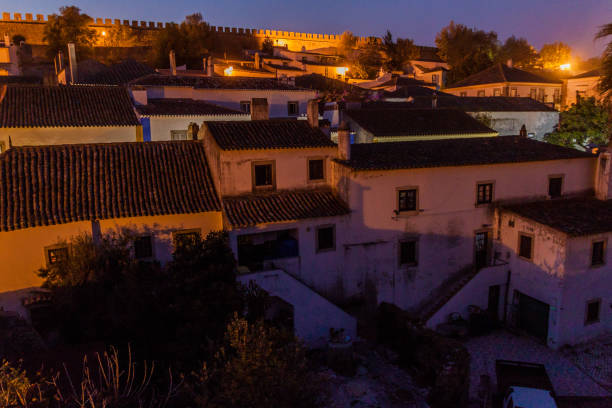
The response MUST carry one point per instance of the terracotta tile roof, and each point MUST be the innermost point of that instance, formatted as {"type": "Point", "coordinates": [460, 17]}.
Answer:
{"type": "Point", "coordinates": [503, 73]}
{"type": "Point", "coordinates": [422, 100]}
{"type": "Point", "coordinates": [93, 72]}
{"type": "Point", "coordinates": [58, 106]}
{"type": "Point", "coordinates": [414, 122]}
{"type": "Point", "coordinates": [267, 134]}
{"type": "Point", "coordinates": [13, 79]}
{"type": "Point", "coordinates": [456, 152]}
{"type": "Point", "coordinates": [46, 185]}
{"type": "Point", "coordinates": [244, 211]}
{"type": "Point", "coordinates": [215, 82]}
{"type": "Point", "coordinates": [574, 216]}
{"type": "Point", "coordinates": [183, 107]}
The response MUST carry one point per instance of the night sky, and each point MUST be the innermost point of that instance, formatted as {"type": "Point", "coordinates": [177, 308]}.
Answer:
{"type": "Point", "coordinates": [540, 21]}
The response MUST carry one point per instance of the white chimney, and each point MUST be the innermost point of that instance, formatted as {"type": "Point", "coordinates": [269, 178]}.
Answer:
{"type": "Point", "coordinates": [509, 63]}
{"type": "Point", "coordinates": [312, 113]}
{"type": "Point", "coordinates": [7, 40]}
{"type": "Point", "coordinates": [172, 63]}
{"type": "Point", "coordinates": [74, 76]}
{"type": "Point", "coordinates": [211, 67]}
{"type": "Point", "coordinates": [344, 142]}
{"type": "Point", "coordinates": [257, 61]}
{"type": "Point", "coordinates": [140, 96]}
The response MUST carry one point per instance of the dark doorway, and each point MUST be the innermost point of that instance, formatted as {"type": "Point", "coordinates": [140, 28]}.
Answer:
{"type": "Point", "coordinates": [533, 316]}
{"type": "Point", "coordinates": [493, 305]}
{"type": "Point", "coordinates": [481, 245]}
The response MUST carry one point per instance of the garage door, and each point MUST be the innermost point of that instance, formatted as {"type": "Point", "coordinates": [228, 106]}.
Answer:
{"type": "Point", "coordinates": [533, 315]}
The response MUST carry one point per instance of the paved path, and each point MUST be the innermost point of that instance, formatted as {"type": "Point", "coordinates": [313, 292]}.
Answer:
{"type": "Point", "coordinates": [566, 378]}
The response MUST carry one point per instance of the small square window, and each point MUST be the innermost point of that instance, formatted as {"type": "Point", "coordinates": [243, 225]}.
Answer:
{"type": "Point", "coordinates": [434, 79]}
{"type": "Point", "coordinates": [598, 253]}
{"type": "Point", "coordinates": [316, 169]}
{"type": "Point", "coordinates": [555, 185]}
{"type": "Point", "coordinates": [513, 92]}
{"type": "Point", "coordinates": [56, 255]}
{"type": "Point", "coordinates": [525, 246]}
{"type": "Point", "coordinates": [407, 200]}
{"type": "Point", "coordinates": [484, 193]}
{"type": "Point", "coordinates": [293, 108]}
{"type": "Point", "coordinates": [481, 93]}
{"type": "Point", "coordinates": [184, 238]}
{"type": "Point", "coordinates": [462, 93]}
{"type": "Point", "coordinates": [263, 175]}
{"type": "Point", "coordinates": [178, 134]}
{"type": "Point", "coordinates": [496, 92]}
{"type": "Point", "coordinates": [143, 247]}
{"type": "Point", "coordinates": [408, 253]}
{"type": "Point", "coordinates": [326, 238]}
{"type": "Point", "coordinates": [592, 311]}
{"type": "Point", "coordinates": [245, 106]}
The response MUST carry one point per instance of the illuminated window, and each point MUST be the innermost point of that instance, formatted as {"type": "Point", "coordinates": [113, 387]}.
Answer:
{"type": "Point", "coordinates": [143, 247]}
{"type": "Point", "coordinates": [525, 246]}
{"type": "Point", "coordinates": [598, 253]}
{"type": "Point", "coordinates": [484, 193]}
{"type": "Point", "coordinates": [592, 312]}
{"type": "Point", "coordinates": [326, 238]}
{"type": "Point", "coordinates": [293, 108]}
{"type": "Point", "coordinates": [408, 252]}
{"type": "Point", "coordinates": [245, 106]}
{"type": "Point", "coordinates": [316, 169]}
{"type": "Point", "coordinates": [263, 175]}
{"type": "Point", "coordinates": [407, 200]}
{"type": "Point", "coordinates": [56, 254]}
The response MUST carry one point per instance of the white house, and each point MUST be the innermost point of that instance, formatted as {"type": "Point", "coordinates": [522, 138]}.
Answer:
{"type": "Point", "coordinates": [284, 99]}
{"type": "Point", "coordinates": [583, 85]}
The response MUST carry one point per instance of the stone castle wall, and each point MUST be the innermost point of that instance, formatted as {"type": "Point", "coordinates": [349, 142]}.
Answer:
{"type": "Point", "coordinates": [32, 26]}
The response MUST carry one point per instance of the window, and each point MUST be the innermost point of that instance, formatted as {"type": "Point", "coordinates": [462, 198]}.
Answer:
{"type": "Point", "coordinates": [178, 134]}
{"type": "Point", "coordinates": [407, 200]}
{"type": "Point", "coordinates": [481, 93]}
{"type": "Point", "coordinates": [592, 311]}
{"type": "Point", "coordinates": [496, 92]}
{"type": "Point", "coordinates": [462, 93]}
{"type": "Point", "coordinates": [533, 93]}
{"type": "Point", "coordinates": [555, 186]}
{"type": "Point", "coordinates": [263, 175]}
{"type": "Point", "coordinates": [256, 251]}
{"type": "Point", "coordinates": [408, 252]}
{"type": "Point", "coordinates": [541, 96]}
{"type": "Point", "coordinates": [484, 193]}
{"type": "Point", "coordinates": [184, 238]}
{"type": "Point", "coordinates": [326, 238]}
{"type": "Point", "coordinates": [434, 79]}
{"type": "Point", "coordinates": [56, 254]}
{"type": "Point", "coordinates": [143, 247]}
{"type": "Point", "coordinates": [557, 96]}
{"type": "Point", "coordinates": [598, 253]}
{"type": "Point", "coordinates": [293, 108]}
{"type": "Point", "coordinates": [245, 106]}
{"type": "Point", "coordinates": [525, 246]}
{"type": "Point", "coordinates": [316, 169]}
{"type": "Point", "coordinates": [513, 92]}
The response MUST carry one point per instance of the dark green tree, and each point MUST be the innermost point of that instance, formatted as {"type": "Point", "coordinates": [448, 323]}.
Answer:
{"type": "Point", "coordinates": [583, 124]}
{"type": "Point", "coordinates": [367, 60]}
{"type": "Point", "coordinates": [467, 50]}
{"type": "Point", "coordinates": [397, 54]}
{"type": "Point", "coordinates": [69, 26]}
{"type": "Point", "coordinates": [191, 41]}
{"type": "Point", "coordinates": [522, 54]}
{"type": "Point", "coordinates": [605, 84]}
{"type": "Point", "coordinates": [267, 46]}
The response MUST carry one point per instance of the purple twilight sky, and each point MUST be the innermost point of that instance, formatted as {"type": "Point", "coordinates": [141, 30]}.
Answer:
{"type": "Point", "coordinates": [540, 21]}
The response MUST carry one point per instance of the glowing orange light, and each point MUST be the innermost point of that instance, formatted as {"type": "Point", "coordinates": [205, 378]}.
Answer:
{"type": "Point", "coordinates": [104, 33]}
{"type": "Point", "coordinates": [342, 70]}
{"type": "Point", "coordinates": [228, 71]}
{"type": "Point", "coordinates": [565, 67]}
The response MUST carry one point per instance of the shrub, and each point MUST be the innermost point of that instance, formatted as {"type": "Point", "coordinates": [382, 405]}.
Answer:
{"type": "Point", "coordinates": [16, 390]}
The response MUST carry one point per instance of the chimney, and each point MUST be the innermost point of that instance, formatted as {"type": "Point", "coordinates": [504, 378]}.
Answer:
{"type": "Point", "coordinates": [7, 40]}
{"type": "Point", "coordinates": [140, 96]}
{"type": "Point", "coordinates": [509, 63]}
{"type": "Point", "coordinates": [259, 109]}
{"type": "Point", "coordinates": [523, 132]}
{"type": "Point", "coordinates": [172, 63]}
{"type": "Point", "coordinates": [204, 64]}
{"type": "Point", "coordinates": [344, 142]}
{"type": "Point", "coordinates": [257, 61]}
{"type": "Point", "coordinates": [434, 100]}
{"type": "Point", "coordinates": [312, 113]}
{"type": "Point", "coordinates": [211, 67]}
{"type": "Point", "coordinates": [74, 76]}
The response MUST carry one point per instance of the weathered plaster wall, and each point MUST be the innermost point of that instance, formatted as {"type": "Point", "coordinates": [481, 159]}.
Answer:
{"type": "Point", "coordinates": [68, 135]}
{"type": "Point", "coordinates": [522, 90]}
{"type": "Point", "coordinates": [162, 125]}
{"type": "Point", "coordinates": [587, 85]}
{"type": "Point", "coordinates": [509, 123]}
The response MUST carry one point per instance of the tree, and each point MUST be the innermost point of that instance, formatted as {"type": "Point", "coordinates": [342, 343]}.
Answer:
{"type": "Point", "coordinates": [554, 55]}
{"type": "Point", "coordinates": [467, 50]}
{"type": "Point", "coordinates": [522, 54]}
{"type": "Point", "coordinates": [368, 60]}
{"type": "Point", "coordinates": [397, 54]}
{"type": "Point", "coordinates": [584, 124]}
{"type": "Point", "coordinates": [69, 26]}
{"type": "Point", "coordinates": [348, 43]}
{"type": "Point", "coordinates": [191, 41]}
{"type": "Point", "coordinates": [605, 84]}
{"type": "Point", "coordinates": [267, 46]}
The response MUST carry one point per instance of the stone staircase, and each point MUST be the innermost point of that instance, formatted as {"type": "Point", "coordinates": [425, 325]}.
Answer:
{"type": "Point", "coordinates": [444, 293]}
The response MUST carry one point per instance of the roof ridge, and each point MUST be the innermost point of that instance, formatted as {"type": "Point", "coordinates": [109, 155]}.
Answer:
{"type": "Point", "coordinates": [502, 67]}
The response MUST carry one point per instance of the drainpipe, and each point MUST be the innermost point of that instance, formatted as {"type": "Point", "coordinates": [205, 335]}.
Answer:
{"type": "Point", "coordinates": [506, 296]}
